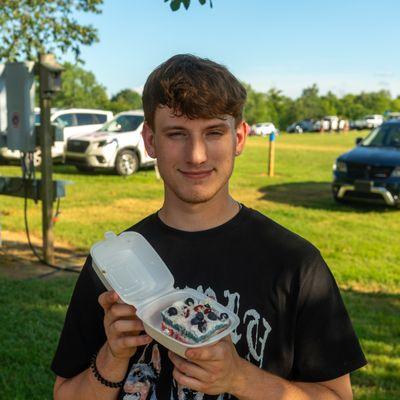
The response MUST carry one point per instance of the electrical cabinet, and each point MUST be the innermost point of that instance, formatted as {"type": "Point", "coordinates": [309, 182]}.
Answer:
{"type": "Point", "coordinates": [20, 100]}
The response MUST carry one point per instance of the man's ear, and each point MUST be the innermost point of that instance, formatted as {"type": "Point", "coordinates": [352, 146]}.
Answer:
{"type": "Point", "coordinates": [242, 130]}
{"type": "Point", "coordinates": [148, 139]}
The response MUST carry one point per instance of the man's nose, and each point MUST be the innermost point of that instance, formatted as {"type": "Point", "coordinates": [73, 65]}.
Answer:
{"type": "Point", "coordinates": [196, 151]}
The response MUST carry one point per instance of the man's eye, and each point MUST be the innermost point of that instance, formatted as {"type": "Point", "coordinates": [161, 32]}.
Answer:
{"type": "Point", "coordinates": [215, 133]}
{"type": "Point", "coordinates": [176, 135]}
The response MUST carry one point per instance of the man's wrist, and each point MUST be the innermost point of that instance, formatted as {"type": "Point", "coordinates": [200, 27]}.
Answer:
{"type": "Point", "coordinates": [239, 384]}
{"type": "Point", "coordinates": [110, 367]}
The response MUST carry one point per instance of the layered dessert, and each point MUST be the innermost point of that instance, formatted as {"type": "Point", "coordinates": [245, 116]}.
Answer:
{"type": "Point", "coordinates": [192, 321]}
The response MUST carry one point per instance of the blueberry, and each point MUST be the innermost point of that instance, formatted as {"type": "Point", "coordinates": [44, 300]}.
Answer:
{"type": "Point", "coordinates": [172, 311]}
{"type": "Point", "coordinates": [194, 321]}
{"type": "Point", "coordinates": [223, 316]}
{"type": "Point", "coordinates": [202, 326]}
{"type": "Point", "coordinates": [212, 316]}
{"type": "Point", "coordinates": [200, 316]}
{"type": "Point", "coordinates": [189, 301]}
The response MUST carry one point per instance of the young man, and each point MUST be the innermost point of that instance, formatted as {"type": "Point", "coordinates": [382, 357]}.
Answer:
{"type": "Point", "coordinates": [295, 340]}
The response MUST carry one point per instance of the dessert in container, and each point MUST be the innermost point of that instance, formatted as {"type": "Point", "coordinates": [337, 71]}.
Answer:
{"type": "Point", "coordinates": [128, 264]}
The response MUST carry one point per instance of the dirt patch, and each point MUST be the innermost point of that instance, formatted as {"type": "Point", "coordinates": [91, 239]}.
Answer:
{"type": "Point", "coordinates": [17, 260]}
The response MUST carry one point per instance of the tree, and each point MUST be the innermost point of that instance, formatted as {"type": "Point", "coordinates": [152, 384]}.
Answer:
{"type": "Point", "coordinates": [126, 99]}
{"type": "Point", "coordinates": [176, 4]}
{"type": "Point", "coordinates": [30, 27]}
{"type": "Point", "coordinates": [80, 89]}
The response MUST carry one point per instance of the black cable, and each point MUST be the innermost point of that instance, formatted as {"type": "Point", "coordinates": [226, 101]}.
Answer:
{"type": "Point", "coordinates": [27, 174]}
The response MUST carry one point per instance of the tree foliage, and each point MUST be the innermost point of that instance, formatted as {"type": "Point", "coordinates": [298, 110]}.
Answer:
{"type": "Point", "coordinates": [80, 89]}
{"type": "Point", "coordinates": [273, 106]}
{"type": "Point", "coordinates": [29, 27]}
{"type": "Point", "coordinates": [126, 99]}
{"type": "Point", "coordinates": [176, 4]}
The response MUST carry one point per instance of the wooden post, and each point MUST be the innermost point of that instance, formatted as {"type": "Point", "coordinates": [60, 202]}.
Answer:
{"type": "Point", "coordinates": [46, 169]}
{"type": "Point", "coordinates": [271, 158]}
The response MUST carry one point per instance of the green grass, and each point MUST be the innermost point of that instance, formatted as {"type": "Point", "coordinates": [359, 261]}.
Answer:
{"type": "Point", "coordinates": [358, 242]}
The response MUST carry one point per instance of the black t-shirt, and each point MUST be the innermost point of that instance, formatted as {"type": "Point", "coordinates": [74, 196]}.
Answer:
{"type": "Point", "coordinates": [293, 322]}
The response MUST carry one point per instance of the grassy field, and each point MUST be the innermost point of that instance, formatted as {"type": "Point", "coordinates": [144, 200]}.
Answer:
{"type": "Point", "coordinates": [360, 243]}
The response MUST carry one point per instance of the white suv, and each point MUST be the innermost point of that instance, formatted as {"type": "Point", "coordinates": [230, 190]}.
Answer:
{"type": "Point", "coordinates": [74, 121]}
{"type": "Point", "coordinates": [117, 145]}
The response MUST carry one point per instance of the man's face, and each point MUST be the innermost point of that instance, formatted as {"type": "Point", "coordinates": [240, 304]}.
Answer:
{"type": "Point", "coordinates": [195, 157]}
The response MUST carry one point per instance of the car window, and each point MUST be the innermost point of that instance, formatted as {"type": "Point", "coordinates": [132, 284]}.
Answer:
{"type": "Point", "coordinates": [123, 123]}
{"type": "Point", "coordinates": [85, 119]}
{"type": "Point", "coordinates": [99, 118]}
{"type": "Point", "coordinates": [384, 136]}
{"type": "Point", "coordinates": [65, 120]}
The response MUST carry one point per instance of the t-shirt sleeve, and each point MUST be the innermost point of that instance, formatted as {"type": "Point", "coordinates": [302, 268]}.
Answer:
{"type": "Point", "coordinates": [83, 332]}
{"type": "Point", "coordinates": [326, 346]}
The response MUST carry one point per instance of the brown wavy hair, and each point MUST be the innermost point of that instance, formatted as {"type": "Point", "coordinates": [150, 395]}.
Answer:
{"type": "Point", "coordinates": [194, 87]}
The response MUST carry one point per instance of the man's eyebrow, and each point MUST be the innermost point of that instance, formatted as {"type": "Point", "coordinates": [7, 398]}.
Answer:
{"type": "Point", "coordinates": [215, 126]}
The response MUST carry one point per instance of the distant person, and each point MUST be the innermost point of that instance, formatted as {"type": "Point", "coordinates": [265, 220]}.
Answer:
{"type": "Point", "coordinates": [295, 339]}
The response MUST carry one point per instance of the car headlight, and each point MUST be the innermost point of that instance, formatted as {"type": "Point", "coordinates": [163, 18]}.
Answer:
{"type": "Point", "coordinates": [106, 142]}
{"type": "Point", "coordinates": [395, 173]}
{"type": "Point", "coordinates": [340, 166]}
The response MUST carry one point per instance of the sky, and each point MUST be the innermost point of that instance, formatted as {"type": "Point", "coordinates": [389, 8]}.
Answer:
{"type": "Point", "coordinates": [346, 46]}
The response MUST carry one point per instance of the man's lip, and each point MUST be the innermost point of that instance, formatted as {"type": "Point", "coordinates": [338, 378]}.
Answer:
{"type": "Point", "coordinates": [196, 174]}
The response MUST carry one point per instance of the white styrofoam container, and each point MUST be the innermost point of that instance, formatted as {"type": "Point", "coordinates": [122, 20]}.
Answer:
{"type": "Point", "coordinates": [128, 264]}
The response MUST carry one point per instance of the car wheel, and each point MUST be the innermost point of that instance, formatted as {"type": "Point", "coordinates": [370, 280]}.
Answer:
{"type": "Point", "coordinates": [84, 168]}
{"type": "Point", "coordinates": [127, 163]}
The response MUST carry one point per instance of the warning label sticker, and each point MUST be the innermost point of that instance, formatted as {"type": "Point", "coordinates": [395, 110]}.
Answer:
{"type": "Point", "coordinates": [15, 119]}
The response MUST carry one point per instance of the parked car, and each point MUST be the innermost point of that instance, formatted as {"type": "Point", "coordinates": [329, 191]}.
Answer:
{"type": "Point", "coordinates": [117, 145]}
{"type": "Point", "coordinates": [367, 122]}
{"type": "Point", "coordinates": [371, 171]}
{"type": "Point", "coordinates": [305, 125]}
{"type": "Point", "coordinates": [74, 121]}
{"type": "Point", "coordinates": [263, 129]}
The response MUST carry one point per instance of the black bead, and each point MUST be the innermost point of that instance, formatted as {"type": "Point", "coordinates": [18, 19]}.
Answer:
{"type": "Point", "coordinates": [194, 321]}
{"type": "Point", "coordinates": [172, 311]}
{"type": "Point", "coordinates": [212, 316]}
{"type": "Point", "coordinates": [189, 301]}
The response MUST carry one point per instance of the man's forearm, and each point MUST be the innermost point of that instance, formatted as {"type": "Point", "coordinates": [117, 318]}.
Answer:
{"type": "Point", "coordinates": [85, 385]}
{"type": "Point", "coordinates": [257, 384]}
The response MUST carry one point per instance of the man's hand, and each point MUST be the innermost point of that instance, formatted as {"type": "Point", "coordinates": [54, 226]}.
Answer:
{"type": "Point", "coordinates": [212, 369]}
{"type": "Point", "coordinates": [122, 326]}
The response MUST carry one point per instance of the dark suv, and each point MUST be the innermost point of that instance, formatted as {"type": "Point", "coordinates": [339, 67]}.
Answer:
{"type": "Point", "coordinates": [371, 171]}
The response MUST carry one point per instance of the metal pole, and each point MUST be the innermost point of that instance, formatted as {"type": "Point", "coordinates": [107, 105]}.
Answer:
{"type": "Point", "coordinates": [46, 169]}
{"type": "Point", "coordinates": [271, 158]}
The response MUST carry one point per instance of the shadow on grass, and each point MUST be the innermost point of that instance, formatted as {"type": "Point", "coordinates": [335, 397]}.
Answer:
{"type": "Point", "coordinates": [316, 195]}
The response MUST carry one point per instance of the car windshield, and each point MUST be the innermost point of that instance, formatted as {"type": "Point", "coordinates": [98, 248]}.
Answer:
{"type": "Point", "coordinates": [123, 123]}
{"type": "Point", "coordinates": [385, 136]}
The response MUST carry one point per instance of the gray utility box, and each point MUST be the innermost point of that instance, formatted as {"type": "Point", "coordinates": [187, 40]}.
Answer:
{"type": "Point", "coordinates": [3, 108]}
{"type": "Point", "coordinates": [20, 101]}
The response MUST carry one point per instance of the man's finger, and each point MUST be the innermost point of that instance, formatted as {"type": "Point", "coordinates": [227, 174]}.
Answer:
{"type": "Point", "coordinates": [188, 381]}
{"type": "Point", "coordinates": [107, 299]}
{"type": "Point", "coordinates": [207, 353]}
{"type": "Point", "coordinates": [188, 368]}
{"type": "Point", "coordinates": [123, 325]}
{"type": "Point", "coordinates": [133, 341]}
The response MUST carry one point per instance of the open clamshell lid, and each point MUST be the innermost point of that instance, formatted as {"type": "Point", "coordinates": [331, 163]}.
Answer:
{"type": "Point", "coordinates": [129, 264]}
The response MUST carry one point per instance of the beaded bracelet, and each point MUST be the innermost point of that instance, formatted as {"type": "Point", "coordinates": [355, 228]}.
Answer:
{"type": "Point", "coordinates": [103, 381]}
